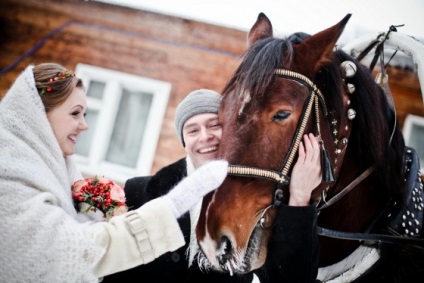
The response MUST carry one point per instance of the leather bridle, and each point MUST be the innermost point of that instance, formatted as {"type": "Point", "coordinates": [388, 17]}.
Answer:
{"type": "Point", "coordinates": [315, 99]}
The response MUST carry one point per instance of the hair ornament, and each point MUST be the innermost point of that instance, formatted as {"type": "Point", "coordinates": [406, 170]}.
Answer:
{"type": "Point", "coordinates": [61, 76]}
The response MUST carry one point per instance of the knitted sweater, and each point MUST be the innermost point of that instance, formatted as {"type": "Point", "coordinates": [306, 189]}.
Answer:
{"type": "Point", "coordinates": [42, 239]}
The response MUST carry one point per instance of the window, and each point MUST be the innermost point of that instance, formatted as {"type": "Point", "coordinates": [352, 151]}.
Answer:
{"type": "Point", "coordinates": [413, 132]}
{"type": "Point", "coordinates": [124, 116]}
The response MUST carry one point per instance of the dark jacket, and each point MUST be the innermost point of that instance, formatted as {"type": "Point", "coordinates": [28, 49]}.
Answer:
{"type": "Point", "coordinates": [295, 230]}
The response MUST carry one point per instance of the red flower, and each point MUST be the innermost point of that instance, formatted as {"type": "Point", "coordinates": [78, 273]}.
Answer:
{"type": "Point", "coordinates": [100, 194]}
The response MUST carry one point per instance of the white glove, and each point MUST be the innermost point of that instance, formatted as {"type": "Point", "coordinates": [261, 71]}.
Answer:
{"type": "Point", "coordinates": [193, 188]}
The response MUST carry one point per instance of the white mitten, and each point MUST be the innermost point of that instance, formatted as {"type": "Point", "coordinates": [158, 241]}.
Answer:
{"type": "Point", "coordinates": [193, 188]}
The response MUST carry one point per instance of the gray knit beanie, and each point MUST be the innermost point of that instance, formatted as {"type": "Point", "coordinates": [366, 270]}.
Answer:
{"type": "Point", "coordinates": [196, 102]}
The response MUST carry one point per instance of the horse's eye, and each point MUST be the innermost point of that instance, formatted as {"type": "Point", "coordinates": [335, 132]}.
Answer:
{"type": "Point", "coordinates": [281, 115]}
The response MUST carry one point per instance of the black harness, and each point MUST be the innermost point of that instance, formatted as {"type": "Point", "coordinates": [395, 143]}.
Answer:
{"type": "Point", "coordinates": [404, 219]}
{"type": "Point", "coordinates": [314, 101]}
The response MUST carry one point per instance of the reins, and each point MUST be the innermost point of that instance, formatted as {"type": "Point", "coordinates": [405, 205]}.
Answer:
{"type": "Point", "coordinates": [348, 188]}
{"type": "Point", "coordinates": [371, 239]}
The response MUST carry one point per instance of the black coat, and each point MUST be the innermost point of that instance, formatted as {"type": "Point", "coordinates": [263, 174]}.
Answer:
{"type": "Point", "coordinates": [295, 230]}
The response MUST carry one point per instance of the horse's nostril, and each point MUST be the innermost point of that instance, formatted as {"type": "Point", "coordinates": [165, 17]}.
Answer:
{"type": "Point", "coordinates": [224, 250]}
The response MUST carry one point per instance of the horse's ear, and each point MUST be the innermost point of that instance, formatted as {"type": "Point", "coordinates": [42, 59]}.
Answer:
{"type": "Point", "coordinates": [261, 29]}
{"type": "Point", "coordinates": [322, 45]}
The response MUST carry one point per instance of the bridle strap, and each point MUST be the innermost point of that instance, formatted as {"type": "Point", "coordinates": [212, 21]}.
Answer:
{"type": "Point", "coordinates": [305, 81]}
{"type": "Point", "coordinates": [246, 171]}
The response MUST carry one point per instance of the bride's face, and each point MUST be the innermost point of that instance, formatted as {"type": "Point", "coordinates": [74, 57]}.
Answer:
{"type": "Point", "coordinates": [67, 120]}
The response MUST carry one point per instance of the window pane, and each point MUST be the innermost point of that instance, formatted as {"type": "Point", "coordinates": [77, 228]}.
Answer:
{"type": "Point", "coordinates": [85, 138]}
{"type": "Point", "coordinates": [129, 128]}
{"type": "Point", "coordinates": [96, 89]}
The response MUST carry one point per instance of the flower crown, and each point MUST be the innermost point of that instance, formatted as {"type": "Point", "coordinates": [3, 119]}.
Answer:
{"type": "Point", "coordinates": [61, 76]}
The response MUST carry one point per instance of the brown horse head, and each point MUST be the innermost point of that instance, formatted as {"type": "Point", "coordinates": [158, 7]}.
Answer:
{"type": "Point", "coordinates": [282, 89]}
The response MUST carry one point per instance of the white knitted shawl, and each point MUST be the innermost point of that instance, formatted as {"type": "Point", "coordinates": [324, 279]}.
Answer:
{"type": "Point", "coordinates": [40, 238]}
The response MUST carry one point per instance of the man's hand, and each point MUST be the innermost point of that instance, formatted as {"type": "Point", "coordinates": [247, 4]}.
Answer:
{"type": "Point", "coordinates": [306, 174]}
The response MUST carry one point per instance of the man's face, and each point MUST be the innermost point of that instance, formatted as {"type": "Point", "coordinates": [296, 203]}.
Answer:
{"type": "Point", "coordinates": [202, 134]}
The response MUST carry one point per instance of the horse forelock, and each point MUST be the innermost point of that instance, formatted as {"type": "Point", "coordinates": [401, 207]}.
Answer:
{"type": "Point", "coordinates": [256, 71]}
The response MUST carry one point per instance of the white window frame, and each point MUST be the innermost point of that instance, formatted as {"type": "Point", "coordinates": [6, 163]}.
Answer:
{"type": "Point", "coordinates": [412, 121]}
{"type": "Point", "coordinates": [95, 163]}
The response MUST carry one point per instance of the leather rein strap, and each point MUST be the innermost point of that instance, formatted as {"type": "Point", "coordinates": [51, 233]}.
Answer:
{"type": "Point", "coordinates": [348, 188]}
{"type": "Point", "coordinates": [371, 239]}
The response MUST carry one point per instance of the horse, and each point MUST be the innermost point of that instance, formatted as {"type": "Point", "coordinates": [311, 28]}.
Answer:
{"type": "Point", "coordinates": [283, 88]}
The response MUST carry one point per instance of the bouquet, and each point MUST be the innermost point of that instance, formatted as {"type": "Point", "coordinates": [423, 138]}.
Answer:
{"type": "Point", "coordinates": [99, 194]}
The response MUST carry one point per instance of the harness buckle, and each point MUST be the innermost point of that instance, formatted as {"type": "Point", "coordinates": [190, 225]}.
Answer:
{"type": "Point", "coordinates": [278, 197]}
